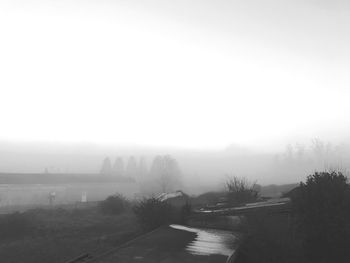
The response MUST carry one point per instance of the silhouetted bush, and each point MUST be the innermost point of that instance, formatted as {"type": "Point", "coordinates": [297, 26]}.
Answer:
{"type": "Point", "coordinates": [152, 213]}
{"type": "Point", "coordinates": [269, 239]}
{"type": "Point", "coordinates": [322, 209]}
{"type": "Point", "coordinates": [240, 191]}
{"type": "Point", "coordinates": [114, 204]}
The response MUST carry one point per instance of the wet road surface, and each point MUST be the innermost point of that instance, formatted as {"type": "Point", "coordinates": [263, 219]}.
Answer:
{"type": "Point", "coordinates": [210, 241]}
{"type": "Point", "coordinates": [175, 244]}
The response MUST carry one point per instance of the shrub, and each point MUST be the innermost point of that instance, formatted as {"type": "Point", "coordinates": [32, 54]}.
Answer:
{"type": "Point", "coordinates": [240, 191]}
{"type": "Point", "coordinates": [152, 213]}
{"type": "Point", "coordinates": [114, 204]}
{"type": "Point", "coordinates": [322, 209]}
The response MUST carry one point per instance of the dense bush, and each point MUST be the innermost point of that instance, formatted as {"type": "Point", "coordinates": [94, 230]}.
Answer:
{"type": "Point", "coordinates": [269, 239]}
{"type": "Point", "coordinates": [152, 213]}
{"type": "Point", "coordinates": [114, 204]}
{"type": "Point", "coordinates": [322, 209]}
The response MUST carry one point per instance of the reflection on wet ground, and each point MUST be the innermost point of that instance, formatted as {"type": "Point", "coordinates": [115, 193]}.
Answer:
{"type": "Point", "coordinates": [210, 241]}
{"type": "Point", "coordinates": [176, 244]}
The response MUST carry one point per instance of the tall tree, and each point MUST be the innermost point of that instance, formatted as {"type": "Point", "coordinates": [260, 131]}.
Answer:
{"type": "Point", "coordinates": [142, 168]}
{"type": "Point", "coordinates": [318, 148]}
{"type": "Point", "coordinates": [240, 190]}
{"type": "Point", "coordinates": [321, 206]}
{"type": "Point", "coordinates": [131, 167]}
{"type": "Point", "coordinates": [165, 170]}
{"type": "Point", "coordinates": [289, 153]}
{"type": "Point", "coordinates": [300, 151]}
{"type": "Point", "coordinates": [118, 167]}
{"type": "Point", "coordinates": [106, 168]}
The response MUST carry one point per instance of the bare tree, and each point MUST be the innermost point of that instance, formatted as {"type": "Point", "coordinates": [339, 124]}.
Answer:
{"type": "Point", "coordinates": [240, 190]}
{"type": "Point", "coordinates": [165, 170]}
{"type": "Point", "coordinates": [318, 148]}
{"type": "Point", "coordinates": [289, 152]}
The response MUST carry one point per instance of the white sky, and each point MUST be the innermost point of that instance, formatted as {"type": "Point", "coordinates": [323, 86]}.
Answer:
{"type": "Point", "coordinates": [174, 73]}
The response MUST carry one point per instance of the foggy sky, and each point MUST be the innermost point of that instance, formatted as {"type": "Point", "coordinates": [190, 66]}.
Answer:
{"type": "Point", "coordinates": [185, 73]}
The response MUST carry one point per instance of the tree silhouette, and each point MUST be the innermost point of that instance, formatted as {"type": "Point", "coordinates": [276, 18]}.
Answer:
{"type": "Point", "coordinates": [142, 168]}
{"type": "Point", "coordinates": [165, 170]}
{"type": "Point", "coordinates": [322, 209]}
{"type": "Point", "coordinates": [300, 151]}
{"type": "Point", "coordinates": [118, 167]}
{"type": "Point", "coordinates": [106, 168]}
{"type": "Point", "coordinates": [131, 167]}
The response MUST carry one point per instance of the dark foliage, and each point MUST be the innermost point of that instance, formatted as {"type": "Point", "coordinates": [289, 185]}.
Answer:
{"type": "Point", "coordinates": [322, 209]}
{"type": "Point", "coordinates": [152, 213]}
{"type": "Point", "coordinates": [269, 239]}
{"type": "Point", "coordinates": [115, 204]}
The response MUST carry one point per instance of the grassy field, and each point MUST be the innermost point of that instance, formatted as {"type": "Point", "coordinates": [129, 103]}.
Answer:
{"type": "Point", "coordinates": [56, 235]}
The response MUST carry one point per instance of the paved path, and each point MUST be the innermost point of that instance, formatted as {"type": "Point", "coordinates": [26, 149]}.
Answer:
{"type": "Point", "coordinates": [175, 244]}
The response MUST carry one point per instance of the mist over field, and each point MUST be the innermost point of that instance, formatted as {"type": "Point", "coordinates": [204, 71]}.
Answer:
{"type": "Point", "coordinates": [201, 170]}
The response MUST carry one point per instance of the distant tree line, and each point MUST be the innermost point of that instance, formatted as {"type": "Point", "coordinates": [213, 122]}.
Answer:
{"type": "Point", "coordinates": [132, 169]}
{"type": "Point", "coordinates": [317, 154]}
{"type": "Point", "coordinates": [164, 174]}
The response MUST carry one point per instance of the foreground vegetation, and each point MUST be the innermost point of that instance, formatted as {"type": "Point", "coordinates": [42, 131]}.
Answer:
{"type": "Point", "coordinates": [56, 235]}
{"type": "Point", "coordinates": [270, 240]}
{"type": "Point", "coordinates": [317, 230]}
